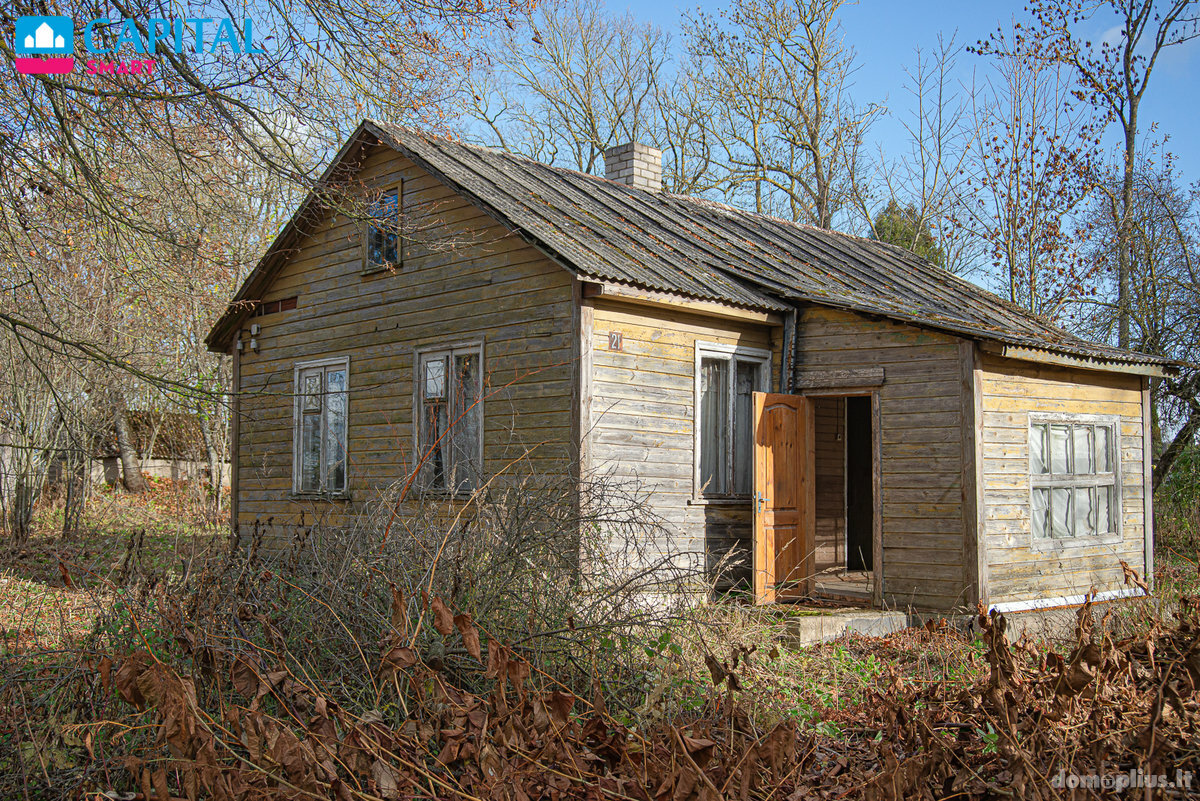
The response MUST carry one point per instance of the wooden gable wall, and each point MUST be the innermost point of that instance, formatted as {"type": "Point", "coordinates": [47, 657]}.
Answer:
{"type": "Point", "coordinates": [489, 286]}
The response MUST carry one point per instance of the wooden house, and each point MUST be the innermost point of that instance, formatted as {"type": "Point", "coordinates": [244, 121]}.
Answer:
{"type": "Point", "coordinates": [857, 422]}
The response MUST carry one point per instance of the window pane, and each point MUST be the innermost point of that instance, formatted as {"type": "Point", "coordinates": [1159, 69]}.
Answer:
{"type": "Point", "coordinates": [310, 452]}
{"type": "Point", "coordinates": [1081, 437]}
{"type": "Point", "coordinates": [743, 427]}
{"type": "Point", "coordinates": [1037, 449]}
{"type": "Point", "coordinates": [433, 423]}
{"type": "Point", "coordinates": [1104, 522]}
{"type": "Point", "coordinates": [335, 431]}
{"type": "Point", "coordinates": [1060, 440]}
{"type": "Point", "coordinates": [382, 240]}
{"type": "Point", "coordinates": [1041, 503]}
{"type": "Point", "coordinates": [1103, 450]}
{"type": "Point", "coordinates": [434, 445]}
{"type": "Point", "coordinates": [312, 391]}
{"type": "Point", "coordinates": [1060, 512]}
{"type": "Point", "coordinates": [714, 415]}
{"type": "Point", "coordinates": [1083, 510]}
{"type": "Point", "coordinates": [467, 429]}
{"type": "Point", "coordinates": [435, 378]}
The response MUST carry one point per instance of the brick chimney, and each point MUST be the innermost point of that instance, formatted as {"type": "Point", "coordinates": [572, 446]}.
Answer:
{"type": "Point", "coordinates": [634, 164]}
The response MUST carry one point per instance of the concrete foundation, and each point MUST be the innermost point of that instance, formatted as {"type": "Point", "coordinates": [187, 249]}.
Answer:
{"type": "Point", "coordinates": [816, 626]}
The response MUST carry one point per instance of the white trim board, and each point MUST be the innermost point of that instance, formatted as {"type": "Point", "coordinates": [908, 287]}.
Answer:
{"type": "Point", "coordinates": [1068, 600]}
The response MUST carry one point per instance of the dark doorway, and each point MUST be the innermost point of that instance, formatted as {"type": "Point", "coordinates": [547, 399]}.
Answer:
{"type": "Point", "coordinates": [860, 494]}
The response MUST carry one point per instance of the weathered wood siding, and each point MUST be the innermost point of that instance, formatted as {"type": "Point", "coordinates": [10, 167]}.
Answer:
{"type": "Point", "coordinates": [481, 283]}
{"type": "Point", "coordinates": [1017, 570]}
{"type": "Point", "coordinates": [921, 453]}
{"type": "Point", "coordinates": [641, 422]}
{"type": "Point", "coordinates": [831, 482]}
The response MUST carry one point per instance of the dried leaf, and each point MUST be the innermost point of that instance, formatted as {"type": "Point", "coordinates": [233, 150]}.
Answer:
{"type": "Point", "coordinates": [387, 781]}
{"type": "Point", "coordinates": [715, 668]}
{"type": "Point", "coordinates": [470, 635]}
{"type": "Point", "coordinates": [106, 673]}
{"type": "Point", "coordinates": [399, 618]}
{"type": "Point", "coordinates": [443, 621]}
{"type": "Point", "coordinates": [400, 658]}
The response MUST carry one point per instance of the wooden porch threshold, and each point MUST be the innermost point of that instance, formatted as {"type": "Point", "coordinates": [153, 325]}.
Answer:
{"type": "Point", "coordinates": [847, 586]}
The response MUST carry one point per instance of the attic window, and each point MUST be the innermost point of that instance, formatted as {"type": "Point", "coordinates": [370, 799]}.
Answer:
{"type": "Point", "coordinates": [1073, 467]}
{"type": "Point", "coordinates": [382, 235]}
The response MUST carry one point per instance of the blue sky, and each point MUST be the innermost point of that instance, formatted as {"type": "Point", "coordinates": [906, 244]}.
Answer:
{"type": "Point", "coordinates": [885, 33]}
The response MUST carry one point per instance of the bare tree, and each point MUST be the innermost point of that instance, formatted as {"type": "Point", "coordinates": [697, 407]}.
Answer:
{"type": "Point", "coordinates": [1163, 247]}
{"type": "Point", "coordinates": [571, 81]}
{"type": "Point", "coordinates": [776, 75]}
{"type": "Point", "coordinates": [925, 182]}
{"type": "Point", "coordinates": [133, 203]}
{"type": "Point", "coordinates": [1031, 168]}
{"type": "Point", "coordinates": [1113, 75]}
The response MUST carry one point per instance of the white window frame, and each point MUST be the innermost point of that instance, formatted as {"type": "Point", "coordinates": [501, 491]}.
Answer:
{"type": "Point", "coordinates": [1052, 480]}
{"type": "Point", "coordinates": [297, 426]}
{"type": "Point", "coordinates": [369, 267]}
{"type": "Point", "coordinates": [450, 350]}
{"type": "Point", "coordinates": [730, 353]}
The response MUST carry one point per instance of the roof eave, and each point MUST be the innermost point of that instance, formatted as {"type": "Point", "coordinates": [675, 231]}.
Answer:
{"type": "Point", "coordinates": [1055, 358]}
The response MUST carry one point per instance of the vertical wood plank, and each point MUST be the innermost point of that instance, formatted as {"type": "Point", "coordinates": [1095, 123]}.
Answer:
{"type": "Point", "coordinates": [808, 497]}
{"type": "Point", "coordinates": [974, 589]}
{"type": "Point", "coordinates": [235, 426]}
{"type": "Point", "coordinates": [582, 409]}
{"type": "Point", "coordinates": [981, 554]}
{"type": "Point", "coordinates": [1148, 490]}
{"type": "Point", "coordinates": [764, 548]}
{"type": "Point", "coordinates": [877, 571]}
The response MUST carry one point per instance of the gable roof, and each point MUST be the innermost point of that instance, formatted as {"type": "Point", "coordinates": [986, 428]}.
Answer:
{"type": "Point", "coordinates": [609, 232]}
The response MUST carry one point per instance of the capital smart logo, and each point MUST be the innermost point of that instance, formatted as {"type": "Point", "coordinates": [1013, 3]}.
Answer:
{"type": "Point", "coordinates": [41, 44]}
{"type": "Point", "coordinates": [46, 45]}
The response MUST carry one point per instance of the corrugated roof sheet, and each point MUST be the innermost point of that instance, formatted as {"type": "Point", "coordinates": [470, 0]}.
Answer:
{"type": "Point", "coordinates": [606, 231]}
{"type": "Point", "coordinates": [706, 250]}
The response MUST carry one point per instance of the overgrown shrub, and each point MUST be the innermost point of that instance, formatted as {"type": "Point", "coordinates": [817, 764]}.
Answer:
{"type": "Point", "coordinates": [569, 590]}
{"type": "Point", "coordinates": [1177, 508]}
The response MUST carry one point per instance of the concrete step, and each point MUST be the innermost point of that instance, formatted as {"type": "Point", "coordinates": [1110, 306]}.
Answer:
{"type": "Point", "coordinates": [809, 627]}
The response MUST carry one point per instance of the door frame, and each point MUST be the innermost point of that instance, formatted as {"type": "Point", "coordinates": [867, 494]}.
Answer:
{"type": "Point", "coordinates": [876, 480]}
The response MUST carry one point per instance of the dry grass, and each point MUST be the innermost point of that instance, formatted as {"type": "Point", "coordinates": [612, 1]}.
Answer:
{"type": "Point", "coordinates": [380, 646]}
{"type": "Point", "coordinates": [53, 588]}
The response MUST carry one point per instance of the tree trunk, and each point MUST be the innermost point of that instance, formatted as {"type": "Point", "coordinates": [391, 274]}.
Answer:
{"type": "Point", "coordinates": [1181, 441]}
{"type": "Point", "coordinates": [21, 511]}
{"type": "Point", "coordinates": [75, 473]}
{"type": "Point", "coordinates": [131, 468]}
{"type": "Point", "coordinates": [214, 466]}
{"type": "Point", "coordinates": [1124, 229]}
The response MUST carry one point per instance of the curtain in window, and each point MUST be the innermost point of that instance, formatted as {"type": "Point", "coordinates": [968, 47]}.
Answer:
{"type": "Point", "coordinates": [433, 421]}
{"type": "Point", "coordinates": [743, 427]}
{"type": "Point", "coordinates": [714, 423]}
{"type": "Point", "coordinates": [467, 421]}
{"type": "Point", "coordinates": [322, 429]}
{"type": "Point", "coordinates": [335, 430]}
{"type": "Point", "coordinates": [1074, 481]}
{"type": "Point", "coordinates": [382, 239]}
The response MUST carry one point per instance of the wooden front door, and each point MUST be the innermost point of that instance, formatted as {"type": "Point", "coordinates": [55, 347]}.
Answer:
{"type": "Point", "coordinates": [784, 496]}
